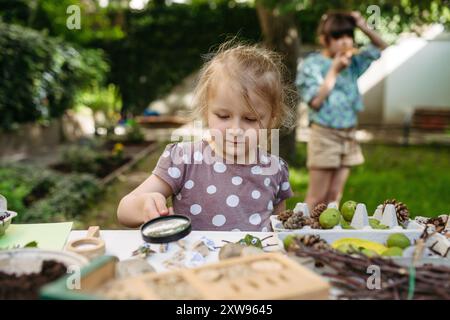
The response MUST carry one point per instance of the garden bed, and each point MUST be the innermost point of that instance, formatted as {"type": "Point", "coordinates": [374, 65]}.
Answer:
{"type": "Point", "coordinates": [39, 194]}
{"type": "Point", "coordinates": [98, 159]}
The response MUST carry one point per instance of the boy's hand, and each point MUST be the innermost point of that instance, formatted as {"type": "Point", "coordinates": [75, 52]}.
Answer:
{"type": "Point", "coordinates": [155, 206]}
{"type": "Point", "coordinates": [341, 61]}
{"type": "Point", "coordinates": [359, 19]}
{"type": "Point", "coordinates": [362, 25]}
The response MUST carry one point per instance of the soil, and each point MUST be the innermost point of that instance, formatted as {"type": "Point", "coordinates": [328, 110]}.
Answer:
{"type": "Point", "coordinates": [4, 215]}
{"type": "Point", "coordinates": [27, 286]}
{"type": "Point", "coordinates": [108, 164]}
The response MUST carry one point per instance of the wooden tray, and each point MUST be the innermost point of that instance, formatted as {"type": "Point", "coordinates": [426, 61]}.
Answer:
{"type": "Point", "coordinates": [266, 276]}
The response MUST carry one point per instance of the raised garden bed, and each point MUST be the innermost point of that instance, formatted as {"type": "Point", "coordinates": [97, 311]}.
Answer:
{"type": "Point", "coordinates": [99, 161]}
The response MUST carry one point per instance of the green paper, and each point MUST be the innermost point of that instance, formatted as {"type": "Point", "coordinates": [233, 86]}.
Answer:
{"type": "Point", "coordinates": [49, 236]}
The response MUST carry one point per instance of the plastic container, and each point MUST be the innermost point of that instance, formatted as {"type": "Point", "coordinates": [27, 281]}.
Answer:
{"type": "Point", "coordinates": [6, 221]}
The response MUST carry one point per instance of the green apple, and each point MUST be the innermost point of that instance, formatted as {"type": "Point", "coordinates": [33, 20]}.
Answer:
{"type": "Point", "coordinates": [329, 218]}
{"type": "Point", "coordinates": [348, 210]}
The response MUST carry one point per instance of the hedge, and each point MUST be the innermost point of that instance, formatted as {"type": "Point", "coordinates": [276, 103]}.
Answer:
{"type": "Point", "coordinates": [164, 44]}
{"type": "Point", "coordinates": [40, 75]}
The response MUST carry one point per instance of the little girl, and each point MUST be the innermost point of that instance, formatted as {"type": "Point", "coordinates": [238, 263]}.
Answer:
{"type": "Point", "coordinates": [327, 81]}
{"type": "Point", "coordinates": [216, 181]}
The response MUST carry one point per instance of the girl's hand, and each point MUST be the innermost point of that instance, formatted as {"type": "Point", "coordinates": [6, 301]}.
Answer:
{"type": "Point", "coordinates": [155, 206]}
{"type": "Point", "coordinates": [341, 61]}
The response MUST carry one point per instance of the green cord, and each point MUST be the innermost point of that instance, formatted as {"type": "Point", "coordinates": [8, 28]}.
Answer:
{"type": "Point", "coordinates": [412, 282]}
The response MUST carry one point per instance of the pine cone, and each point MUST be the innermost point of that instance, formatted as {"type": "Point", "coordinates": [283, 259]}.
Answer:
{"type": "Point", "coordinates": [313, 223]}
{"type": "Point", "coordinates": [400, 208]}
{"type": "Point", "coordinates": [295, 221]}
{"type": "Point", "coordinates": [438, 222]}
{"type": "Point", "coordinates": [314, 241]}
{"type": "Point", "coordinates": [321, 207]}
{"type": "Point", "coordinates": [284, 215]}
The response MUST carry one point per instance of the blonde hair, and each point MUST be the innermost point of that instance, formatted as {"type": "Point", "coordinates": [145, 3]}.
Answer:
{"type": "Point", "coordinates": [255, 69]}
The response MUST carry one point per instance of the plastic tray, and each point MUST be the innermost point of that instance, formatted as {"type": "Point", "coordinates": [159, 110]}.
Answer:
{"type": "Point", "coordinates": [413, 232]}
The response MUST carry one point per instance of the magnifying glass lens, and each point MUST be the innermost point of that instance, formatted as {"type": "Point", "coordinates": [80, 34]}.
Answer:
{"type": "Point", "coordinates": [166, 229]}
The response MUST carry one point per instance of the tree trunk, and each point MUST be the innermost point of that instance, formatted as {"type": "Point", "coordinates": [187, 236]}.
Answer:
{"type": "Point", "coordinates": [280, 34]}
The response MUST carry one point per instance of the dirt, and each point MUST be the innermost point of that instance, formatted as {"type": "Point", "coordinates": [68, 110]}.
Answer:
{"type": "Point", "coordinates": [27, 286]}
{"type": "Point", "coordinates": [4, 215]}
{"type": "Point", "coordinates": [106, 165]}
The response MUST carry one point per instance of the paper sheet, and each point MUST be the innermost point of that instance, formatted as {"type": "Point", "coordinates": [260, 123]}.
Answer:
{"type": "Point", "coordinates": [50, 236]}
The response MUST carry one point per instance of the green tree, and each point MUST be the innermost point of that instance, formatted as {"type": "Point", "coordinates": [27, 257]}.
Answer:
{"type": "Point", "coordinates": [50, 15]}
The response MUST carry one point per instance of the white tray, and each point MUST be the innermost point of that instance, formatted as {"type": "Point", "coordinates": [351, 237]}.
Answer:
{"type": "Point", "coordinates": [413, 232]}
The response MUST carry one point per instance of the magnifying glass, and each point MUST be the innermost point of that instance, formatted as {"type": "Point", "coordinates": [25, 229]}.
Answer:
{"type": "Point", "coordinates": [166, 229]}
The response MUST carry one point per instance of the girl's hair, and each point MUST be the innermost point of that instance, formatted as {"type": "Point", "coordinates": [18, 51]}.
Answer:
{"type": "Point", "coordinates": [336, 24]}
{"type": "Point", "coordinates": [254, 69]}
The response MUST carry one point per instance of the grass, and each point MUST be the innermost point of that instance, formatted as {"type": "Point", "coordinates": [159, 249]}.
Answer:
{"type": "Point", "coordinates": [419, 176]}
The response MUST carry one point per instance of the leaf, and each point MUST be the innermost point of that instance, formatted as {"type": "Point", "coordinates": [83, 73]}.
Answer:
{"type": "Point", "coordinates": [32, 244]}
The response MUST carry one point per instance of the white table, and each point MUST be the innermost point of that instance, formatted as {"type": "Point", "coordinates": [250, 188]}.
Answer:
{"type": "Point", "coordinates": [121, 243]}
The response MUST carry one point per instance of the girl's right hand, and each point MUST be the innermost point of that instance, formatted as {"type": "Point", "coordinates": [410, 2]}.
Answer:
{"type": "Point", "coordinates": [341, 60]}
{"type": "Point", "coordinates": [155, 206]}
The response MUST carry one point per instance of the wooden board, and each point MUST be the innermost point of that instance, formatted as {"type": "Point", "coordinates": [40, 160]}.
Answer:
{"type": "Point", "coordinates": [267, 276]}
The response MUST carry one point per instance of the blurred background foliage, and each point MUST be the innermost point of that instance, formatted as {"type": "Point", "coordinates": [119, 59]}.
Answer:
{"type": "Point", "coordinates": [144, 53]}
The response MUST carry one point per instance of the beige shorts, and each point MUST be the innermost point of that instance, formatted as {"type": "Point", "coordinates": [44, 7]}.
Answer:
{"type": "Point", "coordinates": [333, 148]}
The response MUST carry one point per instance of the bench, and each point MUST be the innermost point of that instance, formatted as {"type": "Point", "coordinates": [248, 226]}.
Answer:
{"type": "Point", "coordinates": [426, 119]}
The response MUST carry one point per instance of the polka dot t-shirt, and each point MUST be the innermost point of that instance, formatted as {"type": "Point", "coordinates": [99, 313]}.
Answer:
{"type": "Point", "coordinates": [220, 196]}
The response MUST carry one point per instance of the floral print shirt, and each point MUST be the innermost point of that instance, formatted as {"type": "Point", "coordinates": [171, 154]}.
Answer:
{"type": "Point", "coordinates": [340, 109]}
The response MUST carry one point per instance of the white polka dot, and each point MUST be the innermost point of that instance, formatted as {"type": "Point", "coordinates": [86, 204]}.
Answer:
{"type": "Point", "coordinates": [270, 205]}
{"type": "Point", "coordinates": [285, 186]}
{"type": "Point", "coordinates": [189, 184]}
{"type": "Point", "coordinates": [264, 229]}
{"type": "Point", "coordinates": [256, 194]}
{"type": "Point", "coordinates": [264, 159]}
{"type": "Point", "coordinates": [178, 196]}
{"type": "Point", "coordinates": [219, 167]}
{"type": "Point", "coordinates": [236, 230]}
{"type": "Point", "coordinates": [256, 170]}
{"type": "Point", "coordinates": [219, 220]}
{"type": "Point", "coordinates": [174, 172]}
{"type": "Point", "coordinates": [196, 209]}
{"type": "Point", "coordinates": [267, 182]}
{"type": "Point", "coordinates": [166, 154]}
{"type": "Point", "coordinates": [232, 201]}
{"type": "Point", "coordinates": [198, 156]}
{"type": "Point", "coordinates": [255, 219]}
{"type": "Point", "coordinates": [211, 189]}
{"type": "Point", "coordinates": [236, 180]}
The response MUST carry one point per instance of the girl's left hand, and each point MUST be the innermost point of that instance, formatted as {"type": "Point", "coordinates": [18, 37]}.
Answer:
{"type": "Point", "coordinates": [359, 19]}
